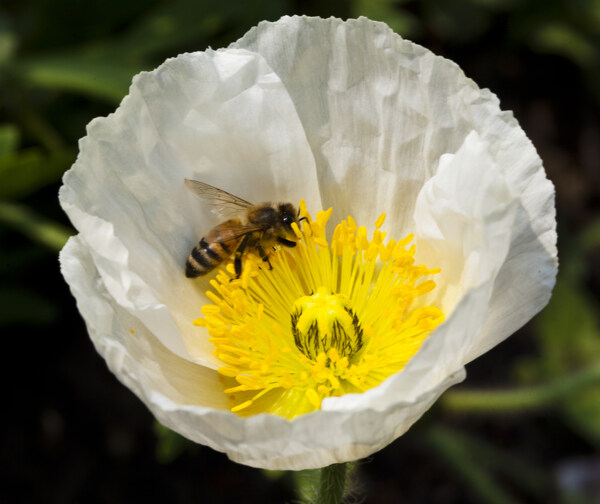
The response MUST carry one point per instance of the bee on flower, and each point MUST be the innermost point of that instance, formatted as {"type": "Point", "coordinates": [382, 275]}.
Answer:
{"type": "Point", "coordinates": [264, 226]}
{"type": "Point", "coordinates": [433, 239]}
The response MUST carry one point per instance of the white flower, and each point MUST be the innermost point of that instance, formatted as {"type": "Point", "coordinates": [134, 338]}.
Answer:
{"type": "Point", "coordinates": [341, 114]}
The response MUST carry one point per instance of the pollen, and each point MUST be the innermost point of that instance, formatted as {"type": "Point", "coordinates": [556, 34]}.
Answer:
{"type": "Point", "coordinates": [332, 317]}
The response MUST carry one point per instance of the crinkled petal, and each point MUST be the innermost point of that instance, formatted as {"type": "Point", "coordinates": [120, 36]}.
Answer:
{"type": "Point", "coordinates": [132, 351]}
{"type": "Point", "coordinates": [221, 117]}
{"type": "Point", "coordinates": [379, 111]}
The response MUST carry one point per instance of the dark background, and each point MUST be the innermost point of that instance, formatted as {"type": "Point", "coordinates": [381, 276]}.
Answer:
{"type": "Point", "coordinates": [72, 433]}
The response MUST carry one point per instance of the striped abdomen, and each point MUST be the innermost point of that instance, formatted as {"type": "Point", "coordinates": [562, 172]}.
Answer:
{"type": "Point", "coordinates": [213, 249]}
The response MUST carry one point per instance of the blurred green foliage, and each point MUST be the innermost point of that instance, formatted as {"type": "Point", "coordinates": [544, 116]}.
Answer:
{"type": "Point", "coordinates": [569, 335]}
{"type": "Point", "coordinates": [170, 445]}
{"type": "Point", "coordinates": [491, 471]}
{"type": "Point", "coordinates": [64, 62]}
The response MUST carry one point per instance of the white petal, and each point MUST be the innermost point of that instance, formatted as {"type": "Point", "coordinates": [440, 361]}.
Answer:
{"type": "Point", "coordinates": [132, 351]}
{"type": "Point", "coordinates": [463, 218]}
{"type": "Point", "coordinates": [380, 112]}
{"type": "Point", "coordinates": [221, 117]}
{"type": "Point", "coordinates": [189, 398]}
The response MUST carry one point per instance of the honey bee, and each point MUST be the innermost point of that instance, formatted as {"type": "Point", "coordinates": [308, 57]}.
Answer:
{"type": "Point", "coordinates": [258, 229]}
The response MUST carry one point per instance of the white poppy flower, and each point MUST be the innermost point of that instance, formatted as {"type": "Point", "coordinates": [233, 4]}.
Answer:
{"type": "Point", "coordinates": [345, 115]}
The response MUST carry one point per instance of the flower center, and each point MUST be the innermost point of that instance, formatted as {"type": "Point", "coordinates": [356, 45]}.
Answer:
{"type": "Point", "coordinates": [331, 318]}
{"type": "Point", "coordinates": [323, 321]}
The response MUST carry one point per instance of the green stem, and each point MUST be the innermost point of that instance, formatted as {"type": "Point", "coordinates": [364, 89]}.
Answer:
{"type": "Point", "coordinates": [332, 484]}
{"type": "Point", "coordinates": [492, 401]}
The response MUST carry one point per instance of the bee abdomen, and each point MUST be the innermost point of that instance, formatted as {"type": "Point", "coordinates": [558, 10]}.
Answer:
{"type": "Point", "coordinates": [205, 257]}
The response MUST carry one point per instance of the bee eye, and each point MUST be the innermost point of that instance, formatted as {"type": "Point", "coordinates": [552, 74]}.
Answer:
{"type": "Point", "coordinates": [287, 215]}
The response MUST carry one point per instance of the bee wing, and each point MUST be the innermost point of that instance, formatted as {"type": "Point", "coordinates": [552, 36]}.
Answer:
{"type": "Point", "coordinates": [222, 202]}
{"type": "Point", "coordinates": [239, 232]}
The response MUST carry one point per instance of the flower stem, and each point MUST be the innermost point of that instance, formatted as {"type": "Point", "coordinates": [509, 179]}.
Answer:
{"type": "Point", "coordinates": [491, 401]}
{"type": "Point", "coordinates": [332, 484]}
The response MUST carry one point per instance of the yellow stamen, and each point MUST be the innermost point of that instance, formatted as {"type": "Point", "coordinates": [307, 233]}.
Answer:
{"type": "Point", "coordinates": [330, 318]}
{"type": "Point", "coordinates": [296, 230]}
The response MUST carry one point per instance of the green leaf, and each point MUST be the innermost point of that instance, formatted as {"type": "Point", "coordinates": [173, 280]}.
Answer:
{"type": "Point", "coordinates": [8, 45]}
{"type": "Point", "coordinates": [456, 21]}
{"type": "Point", "coordinates": [9, 139]}
{"type": "Point", "coordinates": [565, 40]}
{"type": "Point", "coordinates": [23, 172]}
{"type": "Point", "coordinates": [41, 230]}
{"type": "Point", "coordinates": [388, 11]}
{"type": "Point", "coordinates": [174, 25]}
{"type": "Point", "coordinates": [105, 69]}
{"type": "Point", "coordinates": [104, 75]}
{"type": "Point", "coordinates": [504, 5]}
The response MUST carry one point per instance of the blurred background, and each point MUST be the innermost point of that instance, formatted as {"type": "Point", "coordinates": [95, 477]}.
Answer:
{"type": "Point", "coordinates": [524, 427]}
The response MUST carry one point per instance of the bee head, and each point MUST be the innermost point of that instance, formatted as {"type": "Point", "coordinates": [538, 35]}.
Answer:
{"type": "Point", "coordinates": [287, 215]}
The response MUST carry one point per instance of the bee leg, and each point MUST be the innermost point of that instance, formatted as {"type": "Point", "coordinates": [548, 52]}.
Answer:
{"type": "Point", "coordinates": [302, 218]}
{"type": "Point", "coordinates": [237, 262]}
{"type": "Point", "coordinates": [285, 242]}
{"type": "Point", "coordinates": [263, 255]}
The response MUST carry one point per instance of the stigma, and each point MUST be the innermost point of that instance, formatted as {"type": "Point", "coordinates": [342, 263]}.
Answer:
{"type": "Point", "coordinates": [325, 320]}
